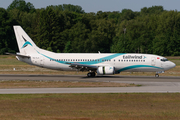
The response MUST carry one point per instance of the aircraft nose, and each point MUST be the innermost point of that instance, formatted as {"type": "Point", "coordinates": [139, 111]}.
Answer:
{"type": "Point", "coordinates": [172, 65]}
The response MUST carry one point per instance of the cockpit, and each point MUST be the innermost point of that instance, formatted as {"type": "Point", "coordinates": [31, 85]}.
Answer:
{"type": "Point", "coordinates": [164, 59]}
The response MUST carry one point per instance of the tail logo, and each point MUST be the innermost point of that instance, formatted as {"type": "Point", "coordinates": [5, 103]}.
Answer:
{"type": "Point", "coordinates": [26, 43]}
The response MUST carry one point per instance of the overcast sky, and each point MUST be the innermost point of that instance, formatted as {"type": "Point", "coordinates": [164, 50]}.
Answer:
{"type": "Point", "coordinates": [103, 5]}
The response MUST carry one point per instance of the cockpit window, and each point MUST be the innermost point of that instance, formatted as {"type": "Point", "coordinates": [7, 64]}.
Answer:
{"type": "Point", "coordinates": [164, 59]}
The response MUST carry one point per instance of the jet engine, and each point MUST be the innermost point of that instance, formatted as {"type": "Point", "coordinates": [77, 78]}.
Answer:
{"type": "Point", "coordinates": [106, 70]}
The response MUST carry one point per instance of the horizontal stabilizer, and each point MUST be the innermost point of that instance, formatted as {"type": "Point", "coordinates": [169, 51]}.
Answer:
{"type": "Point", "coordinates": [18, 55]}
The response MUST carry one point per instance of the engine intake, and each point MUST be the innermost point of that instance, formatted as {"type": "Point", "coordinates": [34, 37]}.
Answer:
{"type": "Point", "coordinates": [106, 70]}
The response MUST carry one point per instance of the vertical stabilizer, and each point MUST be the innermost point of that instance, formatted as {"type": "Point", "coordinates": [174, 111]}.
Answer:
{"type": "Point", "coordinates": [25, 44]}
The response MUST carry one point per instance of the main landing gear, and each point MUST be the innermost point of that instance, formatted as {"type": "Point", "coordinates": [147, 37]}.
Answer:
{"type": "Point", "coordinates": [91, 74]}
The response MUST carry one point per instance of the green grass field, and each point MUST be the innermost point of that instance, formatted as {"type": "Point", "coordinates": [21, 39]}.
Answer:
{"type": "Point", "coordinates": [144, 106]}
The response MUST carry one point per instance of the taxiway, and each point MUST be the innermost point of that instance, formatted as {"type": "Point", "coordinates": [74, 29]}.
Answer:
{"type": "Point", "coordinates": [148, 84]}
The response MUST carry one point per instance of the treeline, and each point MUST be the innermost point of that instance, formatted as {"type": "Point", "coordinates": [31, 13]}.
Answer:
{"type": "Point", "coordinates": [67, 28]}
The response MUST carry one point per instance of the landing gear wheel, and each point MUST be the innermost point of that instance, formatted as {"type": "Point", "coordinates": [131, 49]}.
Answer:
{"type": "Point", "coordinates": [91, 74]}
{"type": "Point", "coordinates": [156, 75]}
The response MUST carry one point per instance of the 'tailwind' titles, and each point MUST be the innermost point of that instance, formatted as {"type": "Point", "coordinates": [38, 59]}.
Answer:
{"type": "Point", "coordinates": [131, 57]}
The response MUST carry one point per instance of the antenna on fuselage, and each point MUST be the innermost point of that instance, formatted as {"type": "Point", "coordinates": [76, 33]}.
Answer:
{"type": "Point", "coordinates": [99, 52]}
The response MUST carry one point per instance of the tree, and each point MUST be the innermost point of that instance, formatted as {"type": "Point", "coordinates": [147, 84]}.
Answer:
{"type": "Point", "coordinates": [47, 29]}
{"type": "Point", "coordinates": [152, 10]}
{"type": "Point", "coordinates": [22, 6]}
{"type": "Point", "coordinates": [7, 38]}
{"type": "Point", "coordinates": [167, 40]}
{"type": "Point", "coordinates": [68, 7]}
{"type": "Point", "coordinates": [102, 34]}
{"type": "Point", "coordinates": [127, 14]}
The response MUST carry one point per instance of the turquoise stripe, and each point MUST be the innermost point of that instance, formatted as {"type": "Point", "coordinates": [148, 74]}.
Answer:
{"type": "Point", "coordinates": [137, 66]}
{"type": "Point", "coordinates": [26, 43]}
{"type": "Point", "coordinates": [99, 60]}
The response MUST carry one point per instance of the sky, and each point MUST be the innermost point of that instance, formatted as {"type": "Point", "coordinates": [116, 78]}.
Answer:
{"type": "Point", "coordinates": [103, 5]}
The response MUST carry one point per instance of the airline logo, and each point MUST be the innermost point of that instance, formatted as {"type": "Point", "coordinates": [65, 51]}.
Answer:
{"type": "Point", "coordinates": [26, 43]}
{"type": "Point", "coordinates": [133, 57]}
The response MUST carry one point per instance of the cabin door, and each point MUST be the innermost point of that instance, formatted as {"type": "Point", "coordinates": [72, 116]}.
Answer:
{"type": "Point", "coordinates": [41, 61]}
{"type": "Point", "coordinates": [153, 61]}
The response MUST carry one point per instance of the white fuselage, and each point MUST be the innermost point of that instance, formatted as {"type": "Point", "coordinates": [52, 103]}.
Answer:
{"type": "Point", "coordinates": [120, 61]}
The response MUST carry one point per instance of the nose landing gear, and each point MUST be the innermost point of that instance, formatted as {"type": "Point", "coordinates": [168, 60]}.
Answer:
{"type": "Point", "coordinates": [156, 75]}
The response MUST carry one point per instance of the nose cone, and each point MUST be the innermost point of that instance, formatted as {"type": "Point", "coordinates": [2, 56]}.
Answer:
{"type": "Point", "coordinates": [168, 65]}
{"type": "Point", "coordinates": [172, 65]}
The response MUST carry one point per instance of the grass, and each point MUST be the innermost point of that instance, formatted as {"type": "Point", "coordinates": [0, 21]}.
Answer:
{"type": "Point", "coordinates": [90, 106]}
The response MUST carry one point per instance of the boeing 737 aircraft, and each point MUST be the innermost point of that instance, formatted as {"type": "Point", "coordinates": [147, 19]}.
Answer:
{"type": "Point", "coordinates": [94, 63]}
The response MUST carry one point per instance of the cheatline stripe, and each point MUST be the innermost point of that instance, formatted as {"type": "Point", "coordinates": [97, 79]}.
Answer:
{"type": "Point", "coordinates": [137, 66]}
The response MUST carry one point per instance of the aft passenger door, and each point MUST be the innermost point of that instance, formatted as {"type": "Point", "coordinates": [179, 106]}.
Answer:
{"type": "Point", "coordinates": [42, 61]}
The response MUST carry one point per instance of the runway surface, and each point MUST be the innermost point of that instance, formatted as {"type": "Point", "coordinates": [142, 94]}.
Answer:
{"type": "Point", "coordinates": [149, 84]}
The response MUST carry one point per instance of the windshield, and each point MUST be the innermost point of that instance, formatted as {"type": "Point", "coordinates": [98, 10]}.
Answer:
{"type": "Point", "coordinates": [164, 59]}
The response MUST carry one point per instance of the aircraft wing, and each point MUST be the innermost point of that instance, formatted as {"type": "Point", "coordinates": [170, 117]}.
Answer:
{"type": "Point", "coordinates": [18, 55]}
{"type": "Point", "coordinates": [82, 67]}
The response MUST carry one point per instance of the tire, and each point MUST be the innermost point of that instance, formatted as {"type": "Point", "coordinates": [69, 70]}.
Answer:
{"type": "Point", "coordinates": [89, 75]}
{"type": "Point", "coordinates": [156, 75]}
{"type": "Point", "coordinates": [93, 74]}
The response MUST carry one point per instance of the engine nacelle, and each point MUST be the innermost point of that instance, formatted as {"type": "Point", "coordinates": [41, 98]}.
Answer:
{"type": "Point", "coordinates": [106, 70]}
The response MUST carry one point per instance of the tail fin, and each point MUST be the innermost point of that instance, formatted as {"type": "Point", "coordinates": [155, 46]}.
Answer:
{"type": "Point", "coordinates": [25, 44]}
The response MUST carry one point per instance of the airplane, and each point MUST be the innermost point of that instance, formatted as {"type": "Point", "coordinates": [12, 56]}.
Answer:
{"type": "Point", "coordinates": [94, 63]}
